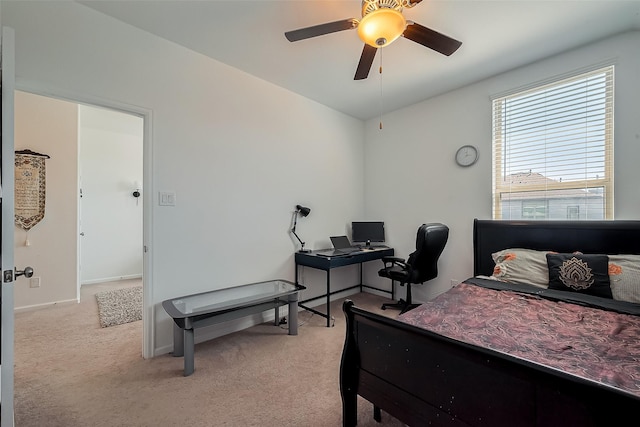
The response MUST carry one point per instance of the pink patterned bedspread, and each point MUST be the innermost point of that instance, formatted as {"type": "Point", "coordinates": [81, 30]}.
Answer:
{"type": "Point", "coordinates": [600, 345]}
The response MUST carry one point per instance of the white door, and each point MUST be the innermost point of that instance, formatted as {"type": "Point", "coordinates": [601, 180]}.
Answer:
{"type": "Point", "coordinates": [9, 272]}
{"type": "Point", "coordinates": [6, 247]}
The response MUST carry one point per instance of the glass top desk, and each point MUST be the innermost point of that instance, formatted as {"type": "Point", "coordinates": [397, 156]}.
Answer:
{"type": "Point", "coordinates": [209, 308]}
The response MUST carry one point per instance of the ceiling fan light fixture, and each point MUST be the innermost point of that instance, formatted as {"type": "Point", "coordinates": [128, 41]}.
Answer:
{"type": "Point", "coordinates": [381, 27]}
{"type": "Point", "coordinates": [381, 24]}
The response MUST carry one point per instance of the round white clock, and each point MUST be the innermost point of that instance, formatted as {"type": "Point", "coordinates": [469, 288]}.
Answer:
{"type": "Point", "coordinates": [466, 155]}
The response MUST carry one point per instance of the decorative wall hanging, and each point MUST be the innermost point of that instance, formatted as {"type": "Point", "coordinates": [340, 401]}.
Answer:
{"type": "Point", "coordinates": [30, 186]}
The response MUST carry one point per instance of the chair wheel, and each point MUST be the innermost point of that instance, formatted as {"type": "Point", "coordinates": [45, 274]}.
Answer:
{"type": "Point", "coordinates": [383, 307]}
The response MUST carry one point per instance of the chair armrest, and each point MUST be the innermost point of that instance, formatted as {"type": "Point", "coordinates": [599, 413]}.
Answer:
{"type": "Point", "coordinates": [389, 261]}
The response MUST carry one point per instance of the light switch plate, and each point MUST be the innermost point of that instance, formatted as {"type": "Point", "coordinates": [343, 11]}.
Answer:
{"type": "Point", "coordinates": [167, 198]}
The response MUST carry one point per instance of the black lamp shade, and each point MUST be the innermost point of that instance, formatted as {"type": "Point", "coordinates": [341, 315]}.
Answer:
{"type": "Point", "coordinates": [304, 211]}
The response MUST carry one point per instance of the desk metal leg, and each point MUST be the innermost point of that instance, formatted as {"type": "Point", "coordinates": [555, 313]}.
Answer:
{"type": "Point", "coordinates": [189, 350]}
{"type": "Point", "coordinates": [328, 299]}
{"type": "Point", "coordinates": [296, 275]}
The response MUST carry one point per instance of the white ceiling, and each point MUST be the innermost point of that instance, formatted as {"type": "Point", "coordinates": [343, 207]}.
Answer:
{"type": "Point", "coordinates": [497, 36]}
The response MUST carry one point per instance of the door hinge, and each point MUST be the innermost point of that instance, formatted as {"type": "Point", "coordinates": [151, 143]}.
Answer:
{"type": "Point", "coordinates": [8, 276]}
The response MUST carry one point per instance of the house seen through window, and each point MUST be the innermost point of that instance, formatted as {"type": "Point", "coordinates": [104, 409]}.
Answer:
{"type": "Point", "coordinates": [553, 150]}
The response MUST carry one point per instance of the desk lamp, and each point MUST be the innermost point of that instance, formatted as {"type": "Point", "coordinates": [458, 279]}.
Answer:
{"type": "Point", "coordinates": [300, 210]}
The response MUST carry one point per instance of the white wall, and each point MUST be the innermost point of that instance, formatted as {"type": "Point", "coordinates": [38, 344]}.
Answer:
{"type": "Point", "coordinates": [421, 183]}
{"type": "Point", "coordinates": [111, 218]}
{"type": "Point", "coordinates": [49, 126]}
{"type": "Point", "coordinates": [238, 152]}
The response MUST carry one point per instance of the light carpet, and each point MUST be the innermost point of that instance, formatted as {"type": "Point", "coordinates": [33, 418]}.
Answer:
{"type": "Point", "coordinates": [119, 306]}
{"type": "Point", "coordinates": [70, 372]}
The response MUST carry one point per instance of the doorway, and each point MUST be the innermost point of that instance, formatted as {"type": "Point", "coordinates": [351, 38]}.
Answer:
{"type": "Point", "coordinates": [110, 208]}
{"type": "Point", "coordinates": [60, 129]}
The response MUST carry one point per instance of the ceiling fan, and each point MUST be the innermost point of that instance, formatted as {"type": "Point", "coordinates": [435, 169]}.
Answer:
{"type": "Point", "coordinates": [382, 22]}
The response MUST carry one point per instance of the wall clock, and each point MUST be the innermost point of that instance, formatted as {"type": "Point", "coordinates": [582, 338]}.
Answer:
{"type": "Point", "coordinates": [466, 155]}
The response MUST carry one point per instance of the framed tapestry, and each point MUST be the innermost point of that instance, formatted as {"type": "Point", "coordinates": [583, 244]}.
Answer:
{"type": "Point", "coordinates": [30, 188]}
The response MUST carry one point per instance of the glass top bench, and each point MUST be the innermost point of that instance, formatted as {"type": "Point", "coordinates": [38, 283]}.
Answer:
{"type": "Point", "coordinates": [209, 308]}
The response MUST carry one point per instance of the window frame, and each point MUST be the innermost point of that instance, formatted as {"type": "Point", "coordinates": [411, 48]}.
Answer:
{"type": "Point", "coordinates": [501, 187]}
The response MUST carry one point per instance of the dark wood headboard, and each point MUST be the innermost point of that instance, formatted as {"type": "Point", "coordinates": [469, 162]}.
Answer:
{"type": "Point", "coordinates": [601, 237]}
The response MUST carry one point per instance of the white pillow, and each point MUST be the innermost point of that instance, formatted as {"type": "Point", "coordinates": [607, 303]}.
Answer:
{"type": "Point", "coordinates": [624, 277]}
{"type": "Point", "coordinates": [518, 265]}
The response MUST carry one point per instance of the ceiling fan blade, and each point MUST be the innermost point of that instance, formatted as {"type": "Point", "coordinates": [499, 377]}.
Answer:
{"type": "Point", "coordinates": [431, 39]}
{"type": "Point", "coordinates": [366, 60]}
{"type": "Point", "coordinates": [320, 30]}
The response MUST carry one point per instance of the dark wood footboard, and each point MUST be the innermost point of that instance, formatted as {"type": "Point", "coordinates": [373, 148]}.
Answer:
{"type": "Point", "coordinates": [423, 378]}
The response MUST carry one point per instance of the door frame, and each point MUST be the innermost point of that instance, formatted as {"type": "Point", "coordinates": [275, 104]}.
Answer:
{"type": "Point", "coordinates": [148, 310]}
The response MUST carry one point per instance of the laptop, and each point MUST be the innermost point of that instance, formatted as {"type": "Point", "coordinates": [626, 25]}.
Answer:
{"type": "Point", "coordinates": [341, 246]}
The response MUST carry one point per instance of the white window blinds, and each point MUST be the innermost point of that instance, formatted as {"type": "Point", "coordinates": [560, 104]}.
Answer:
{"type": "Point", "coordinates": [553, 150]}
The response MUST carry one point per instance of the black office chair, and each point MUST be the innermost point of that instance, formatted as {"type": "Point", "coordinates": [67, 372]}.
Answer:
{"type": "Point", "coordinates": [422, 265]}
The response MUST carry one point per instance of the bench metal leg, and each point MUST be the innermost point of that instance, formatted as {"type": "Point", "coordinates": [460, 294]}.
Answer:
{"type": "Point", "coordinates": [189, 350]}
{"type": "Point", "coordinates": [293, 314]}
{"type": "Point", "coordinates": [178, 341]}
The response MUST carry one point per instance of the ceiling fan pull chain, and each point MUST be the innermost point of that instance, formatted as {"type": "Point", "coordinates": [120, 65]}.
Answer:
{"type": "Point", "coordinates": [380, 72]}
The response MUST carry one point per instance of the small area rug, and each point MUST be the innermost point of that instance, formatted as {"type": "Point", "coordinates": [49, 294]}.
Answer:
{"type": "Point", "coordinates": [119, 306]}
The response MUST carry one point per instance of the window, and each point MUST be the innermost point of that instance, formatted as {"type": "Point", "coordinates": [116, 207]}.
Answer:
{"type": "Point", "coordinates": [534, 209]}
{"type": "Point", "coordinates": [553, 150]}
{"type": "Point", "coordinates": [573, 212]}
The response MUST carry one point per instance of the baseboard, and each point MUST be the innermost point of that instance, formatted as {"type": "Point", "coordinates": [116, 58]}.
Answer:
{"type": "Point", "coordinates": [380, 293]}
{"type": "Point", "coordinates": [44, 305]}
{"type": "Point", "coordinates": [111, 279]}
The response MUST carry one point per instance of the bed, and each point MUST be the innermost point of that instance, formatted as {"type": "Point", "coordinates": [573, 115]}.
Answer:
{"type": "Point", "coordinates": [426, 370]}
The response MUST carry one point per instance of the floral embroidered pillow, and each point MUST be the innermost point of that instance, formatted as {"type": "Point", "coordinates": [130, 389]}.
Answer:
{"type": "Point", "coordinates": [576, 272]}
{"type": "Point", "coordinates": [624, 275]}
{"type": "Point", "coordinates": [518, 265]}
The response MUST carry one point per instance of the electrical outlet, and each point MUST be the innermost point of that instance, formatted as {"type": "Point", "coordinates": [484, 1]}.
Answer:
{"type": "Point", "coordinates": [34, 282]}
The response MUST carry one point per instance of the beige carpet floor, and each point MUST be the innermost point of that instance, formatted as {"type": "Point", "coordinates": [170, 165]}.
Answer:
{"type": "Point", "coordinates": [71, 372]}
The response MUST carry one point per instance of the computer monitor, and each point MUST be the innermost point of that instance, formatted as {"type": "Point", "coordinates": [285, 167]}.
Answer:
{"type": "Point", "coordinates": [367, 231]}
